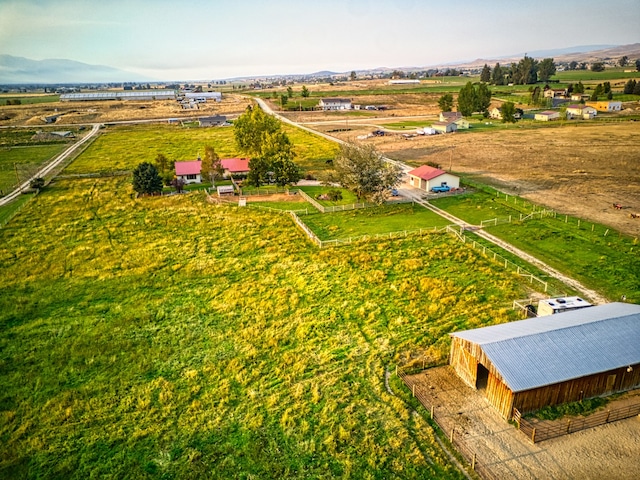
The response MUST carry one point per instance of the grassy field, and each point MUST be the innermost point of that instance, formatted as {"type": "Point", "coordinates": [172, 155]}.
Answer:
{"type": "Point", "coordinates": [172, 338]}
{"type": "Point", "coordinates": [122, 148]}
{"type": "Point", "coordinates": [372, 221]}
{"type": "Point", "coordinates": [26, 160]}
{"type": "Point", "coordinates": [600, 258]}
{"type": "Point", "coordinates": [29, 99]}
{"type": "Point", "coordinates": [348, 197]}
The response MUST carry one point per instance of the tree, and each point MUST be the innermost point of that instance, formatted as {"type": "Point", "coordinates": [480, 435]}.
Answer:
{"type": "Point", "coordinates": [178, 184]}
{"type": "Point", "coordinates": [623, 61]}
{"type": "Point", "coordinates": [285, 172]}
{"type": "Point", "coordinates": [508, 111]}
{"type": "Point", "coordinates": [446, 102]}
{"type": "Point", "coordinates": [638, 65]}
{"type": "Point", "coordinates": [636, 88]}
{"type": "Point", "coordinates": [258, 172]}
{"type": "Point", "coordinates": [579, 88]}
{"type": "Point", "coordinates": [466, 100]}
{"type": "Point", "coordinates": [597, 67]}
{"type": "Point", "coordinates": [284, 98]}
{"type": "Point", "coordinates": [573, 65]}
{"type": "Point", "coordinates": [211, 167]}
{"type": "Point", "coordinates": [485, 75]}
{"type": "Point", "coordinates": [365, 172]}
{"type": "Point", "coordinates": [535, 95]}
{"type": "Point", "coordinates": [250, 128]}
{"type": "Point", "coordinates": [37, 183]}
{"type": "Point", "coordinates": [610, 95]}
{"type": "Point", "coordinates": [607, 87]}
{"type": "Point", "coordinates": [497, 76]}
{"type": "Point", "coordinates": [305, 91]}
{"type": "Point", "coordinates": [482, 98]}
{"type": "Point", "coordinates": [546, 68]}
{"type": "Point", "coordinates": [146, 179]}
{"type": "Point", "coordinates": [629, 86]}
{"type": "Point", "coordinates": [352, 76]}
{"type": "Point", "coordinates": [525, 72]}
{"type": "Point", "coordinates": [290, 92]}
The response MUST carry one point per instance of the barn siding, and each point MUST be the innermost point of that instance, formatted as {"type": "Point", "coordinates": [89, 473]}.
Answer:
{"type": "Point", "coordinates": [577, 389]}
{"type": "Point", "coordinates": [500, 396]}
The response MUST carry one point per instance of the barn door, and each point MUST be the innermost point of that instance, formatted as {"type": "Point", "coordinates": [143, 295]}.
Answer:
{"type": "Point", "coordinates": [611, 381]}
{"type": "Point", "coordinates": [482, 378]}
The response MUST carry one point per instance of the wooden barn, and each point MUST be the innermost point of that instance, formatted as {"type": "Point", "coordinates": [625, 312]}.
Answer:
{"type": "Point", "coordinates": [552, 360]}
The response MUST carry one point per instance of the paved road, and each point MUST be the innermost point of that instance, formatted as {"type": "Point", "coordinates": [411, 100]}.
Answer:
{"type": "Point", "coordinates": [50, 166]}
{"type": "Point", "coordinates": [407, 190]}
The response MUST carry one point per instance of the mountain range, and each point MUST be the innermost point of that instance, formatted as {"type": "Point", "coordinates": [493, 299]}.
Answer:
{"type": "Point", "coordinates": [20, 70]}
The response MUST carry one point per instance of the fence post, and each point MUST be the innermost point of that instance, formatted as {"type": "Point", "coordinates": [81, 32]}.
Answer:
{"type": "Point", "coordinates": [608, 413]}
{"type": "Point", "coordinates": [396, 370]}
{"type": "Point", "coordinates": [533, 435]}
{"type": "Point", "coordinates": [413, 390]}
{"type": "Point", "coordinates": [473, 462]}
{"type": "Point", "coordinates": [432, 412]}
{"type": "Point", "coordinates": [451, 436]}
{"type": "Point", "coordinates": [568, 426]}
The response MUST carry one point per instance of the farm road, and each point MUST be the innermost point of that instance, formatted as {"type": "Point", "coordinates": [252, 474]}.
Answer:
{"type": "Point", "coordinates": [416, 194]}
{"type": "Point", "coordinates": [50, 166]}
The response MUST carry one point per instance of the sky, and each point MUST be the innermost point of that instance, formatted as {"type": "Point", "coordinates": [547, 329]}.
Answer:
{"type": "Point", "coordinates": [218, 39]}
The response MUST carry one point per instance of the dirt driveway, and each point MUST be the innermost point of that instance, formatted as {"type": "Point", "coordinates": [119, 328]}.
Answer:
{"type": "Point", "coordinates": [606, 452]}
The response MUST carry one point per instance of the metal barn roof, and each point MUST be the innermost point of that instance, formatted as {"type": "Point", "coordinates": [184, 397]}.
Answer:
{"type": "Point", "coordinates": [542, 351]}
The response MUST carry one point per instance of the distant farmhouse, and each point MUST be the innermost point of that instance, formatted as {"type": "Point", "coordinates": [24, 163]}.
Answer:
{"type": "Point", "coordinates": [335, 104]}
{"type": "Point", "coordinates": [584, 112]}
{"type": "Point", "coordinates": [235, 166]}
{"type": "Point", "coordinates": [202, 97]}
{"type": "Point", "coordinates": [455, 117]}
{"type": "Point", "coordinates": [539, 362]}
{"type": "Point", "coordinates": [444, 127]}
{"type": "Point", "coordinates": [426, 177]}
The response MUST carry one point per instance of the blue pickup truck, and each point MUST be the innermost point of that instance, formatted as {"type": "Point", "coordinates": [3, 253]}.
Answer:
{"type": "Point", "coordinates": [440, 189]}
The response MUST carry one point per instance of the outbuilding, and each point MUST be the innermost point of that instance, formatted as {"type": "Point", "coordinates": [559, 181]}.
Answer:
{"type": "Point", "coordinates": [584, 112]}
{"type": "Point", "coordinates": [426, 177]}
{"type": "Point", "coordinates": [335, 104]}
{"type": "Point", "coordinates": [235, 166]}
{"type": "Point", "coordinates": [444, 127]}
{"type": "Point", "coordinates": [547, 116]}
{"type": "Point", "coordinates": [606, 106]}
{"type": "Point", "coordinates": [551, 360]}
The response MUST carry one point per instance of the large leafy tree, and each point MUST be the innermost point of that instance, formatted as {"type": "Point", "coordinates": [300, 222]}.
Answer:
{"type": "Point", "coordinates": [251, 127]}
{"type": "Point", "coordinates": [146, 179]}
{"type": "Point", "coordinates": [305, 91]}
{"type": "Point", "coordinates": [483, 98]}
{"type": "Point", "coordinates": [258, 172]}
{"type": "Point", "coordinates": [365, 172]}
{"type": "Point", "coordinates": [508, 112]}
{"type": "Point", "coordinates": [623, 61]}
{"type": "Point", "coordinates": [525, 72]}
{"type": "Point", "coordinates": [546, 68]}
{"type": "Point", "coordinates": [211, 165]}
{"type": "Point", "coordinates": [474, 98]}
{"type": "Point", "coordinates": [445, 102]}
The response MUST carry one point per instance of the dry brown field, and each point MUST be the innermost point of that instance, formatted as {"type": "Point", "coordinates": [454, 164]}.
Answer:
{"type": "Point", "coordinates": [114, 111]}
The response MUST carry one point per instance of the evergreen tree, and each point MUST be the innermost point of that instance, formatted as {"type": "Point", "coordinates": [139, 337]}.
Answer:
{"type": "Point", "coordinates": [629, 86]}
{"type": "Point", "coordinates": [305, 91]}
{"type": "Point", "coordinates": [546, 68]}
{"type": "Point", "coordinates": [466, 100]}
{"type": "Point", "coordinates": [485, 75]}
{"type": "Point", "coordinates": [445, 102]}
{"type": "Point", "coordinates": [146, 179]}
{"type": "Point", "coordinates": [497, 76]}
{"type": "Point", "coordinates": [508, 111]}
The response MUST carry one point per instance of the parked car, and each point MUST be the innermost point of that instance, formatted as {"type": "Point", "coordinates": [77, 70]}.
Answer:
{"type": "Point", "coordinates": [440, 189]}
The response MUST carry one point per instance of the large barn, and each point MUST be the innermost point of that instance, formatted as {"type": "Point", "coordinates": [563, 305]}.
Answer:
{"type": "Point", "coordinates": [552, 360]}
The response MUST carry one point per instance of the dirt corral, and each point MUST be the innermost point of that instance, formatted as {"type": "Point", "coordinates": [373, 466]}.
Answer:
{"type": "Point", "coordinates": [607, 451]}
{"type": "Point", "coordinates": [578, 169]}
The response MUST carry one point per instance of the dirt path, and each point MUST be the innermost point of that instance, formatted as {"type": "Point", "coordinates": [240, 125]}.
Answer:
{"type": "Point", "coordinates": [604, 452]}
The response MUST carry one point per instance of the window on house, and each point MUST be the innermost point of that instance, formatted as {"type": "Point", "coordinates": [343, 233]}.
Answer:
{"type": "Point", "coordinates": [191, 176]}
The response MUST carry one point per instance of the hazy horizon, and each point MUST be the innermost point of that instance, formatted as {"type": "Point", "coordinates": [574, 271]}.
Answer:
{"type": "Point", "coordinates": [216, 40]}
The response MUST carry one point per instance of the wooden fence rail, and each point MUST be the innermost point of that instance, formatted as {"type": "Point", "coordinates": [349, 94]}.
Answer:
{"type": "Point", "coordinates": [538, 432]}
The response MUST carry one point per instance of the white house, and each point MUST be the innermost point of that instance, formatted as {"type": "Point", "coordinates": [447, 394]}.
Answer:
{"type": "Point", "coordinates": [202, 97]}
{"type": "Point", "coordinates": [581, 111]}
{"type": "Point", "coordinates": [606, 106]}
{"type": "Point", "coordinates": [335, 104]}
{"type": "Point", "coordinates": [495, 113]}
{"type": "Point", "coordinates": [547, 116]}
{"type": "Point", "coordinates": [426, 177]}
{"type": "Point", "coordinates": [189, 171]}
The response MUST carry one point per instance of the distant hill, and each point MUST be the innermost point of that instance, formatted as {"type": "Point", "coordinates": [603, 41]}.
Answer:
{"type": "Point", "coordinates": [20, 70]}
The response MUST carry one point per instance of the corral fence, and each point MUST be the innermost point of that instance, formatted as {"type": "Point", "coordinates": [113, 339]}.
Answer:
{"type": "Point", "coordinates": [478, 464]}
{"type": "Point", "coordinates": [336, 208]}
{"type": "Point", "coordinates": [18, 210]}
{"type": "Point", "coordinates": [538, 432]}
{"type": "Point", "coordinates": [496, 257]}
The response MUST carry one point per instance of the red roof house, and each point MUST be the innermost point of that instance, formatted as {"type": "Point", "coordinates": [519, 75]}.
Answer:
{"type": "Point", "coordinates": [189, 171]}
{"type": "Point", "coordinates": [426, 177]}
{"type": "Point", "coordinates": [235, 165]}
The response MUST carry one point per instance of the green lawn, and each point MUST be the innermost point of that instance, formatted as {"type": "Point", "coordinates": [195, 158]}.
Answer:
{"type": "Point", "coordinates": [372, 221]}
{"type": "Point", "coordinates": [8, 211]}
{"type": "Point", "coordinates": [168, 337]}
{"type": "Point", "coordinates": [348, 197]}
{"type": "Point", "coordinates": [598, 257]}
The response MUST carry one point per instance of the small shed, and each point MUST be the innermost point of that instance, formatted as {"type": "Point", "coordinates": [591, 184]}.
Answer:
{"type": "Point", "coordinates": [547, 116]}
{"type": "Point", "coordinates": [584, 112]}
{"type": "Point", "coordinates": [426, 177]}
{"type": "Point", "coordinates": [189, 171]}
{"type": "Point", "coordinates": [213, 121]}
{"type": "Point", "coordinates": [538, 362]}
